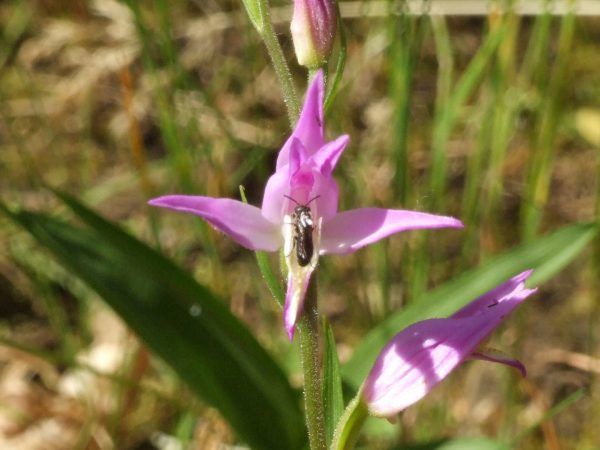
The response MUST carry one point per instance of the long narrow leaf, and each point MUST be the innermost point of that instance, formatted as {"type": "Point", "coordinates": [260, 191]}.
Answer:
{"type": "Point", "coordinates": [546, 256]}
{"type": "Point", "coordinates": [181, 321]}
{"type": "Point", "coordinates": [332, 383]}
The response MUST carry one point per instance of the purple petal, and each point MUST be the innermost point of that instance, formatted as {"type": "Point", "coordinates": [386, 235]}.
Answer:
{"type": "Point", "coordinates": [489, 300]}
{"type": "Point", "coordinates": [350, 230]}
{"type": "Point", "coordinates": [243, 223]}
{"type": "Point", "coordinates": [416, 360]}
{"type": "Point", "coordinates": [327, 156]}
{"type": "Point", "coordinates": [501, 359]}
{"type": "Point", "coordinates": [423, 354]}
{"type": "Point", "coordinates": [301, 173]}
{"type": "Point", "coordinates": [310, 129]}
{"type": "Point", "coordinates": [275, 205]}
{"type": "Point", "coordinates": [327, 189]}
{"type": "Point", "coordinates": [302, 180]}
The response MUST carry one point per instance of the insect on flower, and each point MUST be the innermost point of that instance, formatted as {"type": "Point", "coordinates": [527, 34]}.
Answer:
{"type": "Point", "coordinates": [303, 227]}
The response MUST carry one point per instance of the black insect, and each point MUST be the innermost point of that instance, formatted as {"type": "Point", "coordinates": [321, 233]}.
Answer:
{"type": "Point", "coordinates": [303, 224]}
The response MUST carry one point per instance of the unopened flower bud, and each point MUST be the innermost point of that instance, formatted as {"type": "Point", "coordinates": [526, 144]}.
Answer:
{"type": "Point", "coordinates": [313, 29]}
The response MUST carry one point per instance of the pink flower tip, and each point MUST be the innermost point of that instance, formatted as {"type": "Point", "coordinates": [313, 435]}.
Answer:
{"type": "Point", "coordinates": [423, 354]}
{"type": "Point", "coordinates": [290, 329]}
{"type": "Point", "coordinates": [154, 202]}
{"type": "Point", "coordinates": [455, 223]}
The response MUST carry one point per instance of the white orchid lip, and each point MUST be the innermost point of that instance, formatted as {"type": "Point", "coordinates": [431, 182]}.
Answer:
{"type": "Point", "coordinates": [298, 275]}
{"type": "Point", "coordinates": [304, 170]}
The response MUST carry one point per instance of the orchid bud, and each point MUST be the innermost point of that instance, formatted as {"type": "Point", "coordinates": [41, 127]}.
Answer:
{"type": "Point", "coordinates": [313, 29]}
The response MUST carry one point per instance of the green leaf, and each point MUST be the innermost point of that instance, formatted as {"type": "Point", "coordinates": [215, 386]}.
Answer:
{"type": "Point", "coordinates": [478, 443]}
{"type": "Point", "coordinates": [181, 321]}
{"type": "Point", "coordinates": [561, 406]}
{"type": "Point", "coordinates": [254, 10]}
{"type": "Point", "coordinates": [348, 428]}
{"type": "Point", "coordinates": [546, 255]}
{"type": "Point", "coordinates": [332, 383]}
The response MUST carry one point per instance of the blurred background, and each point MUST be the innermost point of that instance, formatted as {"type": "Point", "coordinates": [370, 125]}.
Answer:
{"type": "Point", "coordinates": [494, 119]}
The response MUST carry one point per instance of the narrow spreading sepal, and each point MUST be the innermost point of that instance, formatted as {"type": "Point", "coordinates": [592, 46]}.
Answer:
{"type": "Point", "coordinates": [351, 230]}
{"type": "Point", "coordinates": [243, 223]}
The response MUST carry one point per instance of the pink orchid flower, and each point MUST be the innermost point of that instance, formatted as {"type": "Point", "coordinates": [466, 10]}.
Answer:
{"type": "Point", "coordinates": [423, 354]}
{"type": "Point", "coordinates": [303, 176]}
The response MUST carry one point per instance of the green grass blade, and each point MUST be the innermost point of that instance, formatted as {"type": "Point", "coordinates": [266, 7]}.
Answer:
{"type": "Point", "coordinates": [503, 122]}
{"type": "Point", "coordinates": [476, 161]}
{"type": "Point", "coordinates": [445, 57]}
{"type": "Point", "coordinates": [546, 255]}
{"type": "Point", "coordinates": [554, 411]}
{"type": "Point", "coordinates": [181, 321]}
{"type": "Point", "coordinates": [340, 64]}
{"type": "Point", "coordinates": [446, 119]}
{"type": "Point", "coordinates": [408, 34]}
{"type": "Point", "coordinates": [544, 147]}
{"type": "Point", "coordinates": [332, 383]}
{"type": "Point", "coordinates": [13, 30]}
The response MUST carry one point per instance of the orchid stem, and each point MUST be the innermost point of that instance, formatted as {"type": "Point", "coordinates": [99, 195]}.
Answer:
{"type": "Point", "coordinates": [309, 338]}
{"type": "Point", "coordinates": [269, 37]}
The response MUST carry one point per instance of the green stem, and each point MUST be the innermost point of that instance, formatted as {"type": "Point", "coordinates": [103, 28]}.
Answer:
{"type": "Point", "coordinates": [262, 258]}
{"type": "Point", "coordinates": [290, 97]}
{"type": "Point", "coordinates": [308, 328]}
